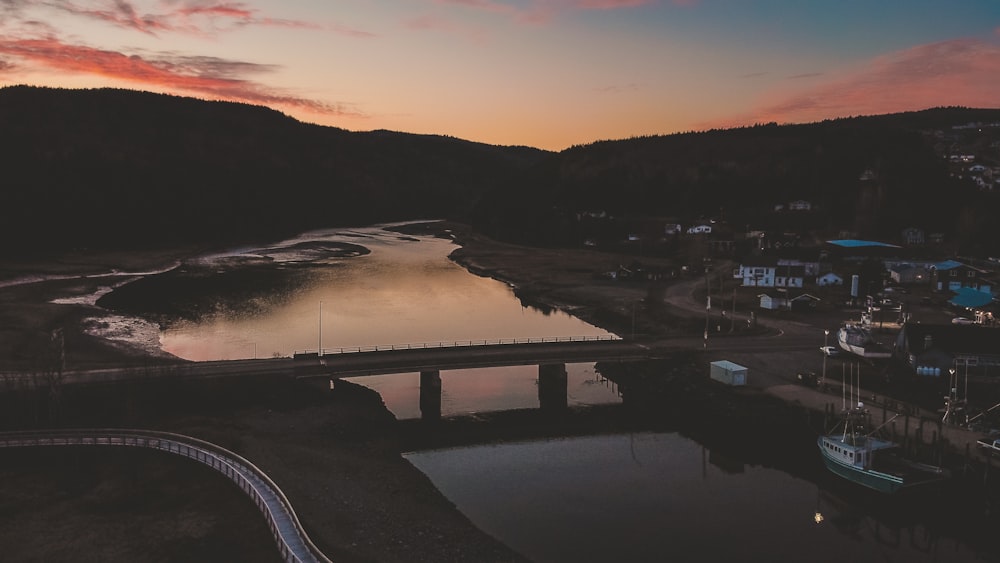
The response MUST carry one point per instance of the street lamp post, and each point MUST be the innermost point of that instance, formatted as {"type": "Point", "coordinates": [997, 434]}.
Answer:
{"type": "Point", "coordinates": [708, 305]}
{"type": "Point", "coordinates": [826, 333]}
{"type": "Point", "coordinates": [320, 352]}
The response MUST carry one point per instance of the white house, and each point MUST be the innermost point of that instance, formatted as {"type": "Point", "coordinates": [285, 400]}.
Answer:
{"type": "Point", "coordinates": [828, 279]}
{"type": "Point", "coordinates": [767, 272]}
{"type": "Point", "coordinates": [772, 303]}
{"type": "Point", "coordinates": [803, 301]}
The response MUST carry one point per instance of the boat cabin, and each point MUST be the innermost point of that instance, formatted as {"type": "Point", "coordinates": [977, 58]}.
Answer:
{"type": "Point", "coordinates": [847, 454]}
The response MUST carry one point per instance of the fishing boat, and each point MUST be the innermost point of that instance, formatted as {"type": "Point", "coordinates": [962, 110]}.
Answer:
{"type": "Point", "coordinates": [852, 452]}
{"type": "Point", "coordinates": [858, 340]}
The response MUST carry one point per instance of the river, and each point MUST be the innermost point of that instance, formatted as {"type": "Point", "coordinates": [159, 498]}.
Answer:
{"type": "Point", "coordinates": [641, 496]}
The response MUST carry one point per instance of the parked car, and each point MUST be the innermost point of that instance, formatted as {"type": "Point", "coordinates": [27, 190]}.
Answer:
{"type": "Point", "coordinates": [808, 378]}
{"type": "Point", "coordinates": [830, 350]}
{"type": "Point", "coordinates": [990, 443]}
{"type": "Point", "coordinates": [961, 321]}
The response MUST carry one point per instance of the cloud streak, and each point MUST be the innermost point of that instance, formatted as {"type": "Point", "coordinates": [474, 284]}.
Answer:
{"type": "Point", "coordinates": [543, 11]}
{"type": "Point", "coordinates": [208, 76]}
{"type": "Point", "coordinates": [192, 17]}
{"type": "Point", "coordinates": [963, 72]}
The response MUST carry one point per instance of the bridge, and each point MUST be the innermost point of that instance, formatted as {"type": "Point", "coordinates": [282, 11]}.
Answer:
{"type": "Point", "coordinates": [550, 355]}
{"type": "Point", "coordinates": [380, 360]}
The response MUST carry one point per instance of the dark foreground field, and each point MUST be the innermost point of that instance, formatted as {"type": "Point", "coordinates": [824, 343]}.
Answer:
{"type": "Point", "coordinates": [334, 453]}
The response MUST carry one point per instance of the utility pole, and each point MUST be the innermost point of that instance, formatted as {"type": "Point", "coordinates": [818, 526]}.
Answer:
{"type": "Point", "coordinates": [826, 333]}
{"type": "Point", "coordinates": [708, 304]}
{"type": "Point", "coordinates": [320, 327]}
{"type": "Point", "coordinates": [732, 317]}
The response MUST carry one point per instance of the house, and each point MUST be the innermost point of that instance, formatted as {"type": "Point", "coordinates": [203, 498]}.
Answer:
{"type": "Point", "coordinates": [782, 301]}
{"type": "Point", "coordinates": [765, 271]}
{"type": "Point", "coordinates": [803, 302]}
{"type": "Point", "coordinates": [800, 205]}
{"type": "Point", "coordinates": [913, 236]}
{"type": "Point", "coordinates": [932, 350]}
{"type": "Point", "coordinates": [829, 279]}
{"type": "Point", "coordinates": [772, 302]}
{"type": "Point", "coordinates": [672, 229]}
{"type": "Point", "coordinates": [909, 274]}
{"type": "Point", "coordinates": [968, 298]}
{"type": "Point", "coordinates": [810, 268]}
{"type": "Point", "coordinates": [952, 275]}
{"type": "Point", "coordinates": [699, 229]}
{"type": "Point", "coordinates": [854, 250]}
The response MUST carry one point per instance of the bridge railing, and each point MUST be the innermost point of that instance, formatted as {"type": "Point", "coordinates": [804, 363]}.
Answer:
{"type": "Point", "coordinates": [293, 544]}
{"type": "Point", "coordinates": [459, 344]}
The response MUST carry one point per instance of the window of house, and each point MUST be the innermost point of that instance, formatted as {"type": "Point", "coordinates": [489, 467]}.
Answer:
{"type": "Point", "coordinates": [954, 273]}
{"type": "Point", "coordinates": [971, 274]}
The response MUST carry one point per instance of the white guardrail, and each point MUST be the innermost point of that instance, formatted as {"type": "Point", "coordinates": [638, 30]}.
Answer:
{"type": "Point", "coordinates": [293, 543]}
{"type": "Point", "coordinates": [458, 344]}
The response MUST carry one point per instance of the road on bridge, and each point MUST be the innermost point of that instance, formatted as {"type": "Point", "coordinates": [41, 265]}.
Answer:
{"type": "Point", "coordinates": [404, 360]}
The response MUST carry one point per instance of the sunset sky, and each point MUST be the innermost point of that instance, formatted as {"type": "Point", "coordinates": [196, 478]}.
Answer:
{"type": "Point", "coordinates": [544, 73]}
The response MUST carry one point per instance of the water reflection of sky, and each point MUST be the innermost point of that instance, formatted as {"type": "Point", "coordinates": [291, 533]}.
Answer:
{"type": "Point", "coordinates": [405, 291]}
{"type": "Point", "coordinates": [465, 391]}
{"type": "Point", "coordinates": [648, 497]}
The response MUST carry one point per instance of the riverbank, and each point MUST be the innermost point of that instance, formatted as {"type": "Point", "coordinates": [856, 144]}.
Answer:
{"type": "Point", "coordinates": [336, 453]}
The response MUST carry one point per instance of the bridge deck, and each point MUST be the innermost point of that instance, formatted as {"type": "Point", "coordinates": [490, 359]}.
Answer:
{"type": "Point", "coordinates": [457, 357]}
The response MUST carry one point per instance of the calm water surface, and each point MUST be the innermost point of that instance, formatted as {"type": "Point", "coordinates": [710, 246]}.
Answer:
{"type": "Point", "coordinates": [652, 497]}
{"type": "Point", "coordinates": [405, 291]}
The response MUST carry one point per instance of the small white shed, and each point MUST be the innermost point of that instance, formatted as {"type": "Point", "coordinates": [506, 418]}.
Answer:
{"type": "Point", "coordinates": [727, 372]}
{"type": "Point", "coordinates": [773, 303]}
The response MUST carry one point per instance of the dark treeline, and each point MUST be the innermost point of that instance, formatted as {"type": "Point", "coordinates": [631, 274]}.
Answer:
{"type": "Point", "coordinates": [117, 168]}
{"type": "Point", "coordinates": [740, 175]}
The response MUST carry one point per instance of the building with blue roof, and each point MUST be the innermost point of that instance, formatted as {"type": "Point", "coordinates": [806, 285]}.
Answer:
{"type": "Point", "coordinates": [952, 275]}
{"type": "Point", "coordinates": [854, 243]}
{"type": "Point", "coordinates": [971, 298]}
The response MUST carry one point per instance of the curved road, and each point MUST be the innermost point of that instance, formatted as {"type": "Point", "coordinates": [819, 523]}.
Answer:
{"type": "Point", "coordinates": [293, 543]}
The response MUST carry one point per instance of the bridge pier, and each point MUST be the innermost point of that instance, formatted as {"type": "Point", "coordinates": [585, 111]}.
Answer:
{"type": "Point", "coordinates": [552, 386]}
{"type": "Point", "coordinates": [430, 394]}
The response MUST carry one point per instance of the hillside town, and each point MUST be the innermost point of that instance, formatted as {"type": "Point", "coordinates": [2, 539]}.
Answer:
{"type": "Point", "coordinates": [932, 306]}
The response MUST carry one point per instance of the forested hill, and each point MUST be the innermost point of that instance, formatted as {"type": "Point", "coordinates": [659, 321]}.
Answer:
{"type": "Point", "coordinates": [872, 176]}
{"type": "Point", "coordinates": [118, 168]}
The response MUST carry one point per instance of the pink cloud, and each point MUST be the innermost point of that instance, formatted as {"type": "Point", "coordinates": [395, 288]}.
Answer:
{"type": "Point", "coordinates": [208, 76]}
{"type": "Point", "coordinates": [961, 72]}
{"type": "Point", "coordinates": [193, 17]}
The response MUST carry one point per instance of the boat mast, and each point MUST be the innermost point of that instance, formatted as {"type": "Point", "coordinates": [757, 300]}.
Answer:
{"type": "Point", "coordinates": [843, 387]}
{"type": "Point", "coordinates": [843, 399]}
